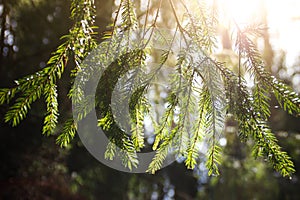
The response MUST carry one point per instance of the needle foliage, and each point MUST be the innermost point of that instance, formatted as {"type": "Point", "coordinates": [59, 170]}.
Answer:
{"type": "Point", "coordinates": [203, 90]}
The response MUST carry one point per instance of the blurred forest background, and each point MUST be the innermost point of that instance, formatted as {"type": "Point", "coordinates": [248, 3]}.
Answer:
{"type": "Point", "coordinates": [33, 166]}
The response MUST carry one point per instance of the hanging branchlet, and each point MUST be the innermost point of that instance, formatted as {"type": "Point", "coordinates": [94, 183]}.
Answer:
{"type": "Point", "coordinates": [254, 120]}
{"type": "Point", "coordinates": [67, 134]}
{"type": "Point", "coordinates": [287, 98]}
{"type": "Point", "coordinates": [198, 132]}
{"type": "Point", "coordinates": [129, 19]}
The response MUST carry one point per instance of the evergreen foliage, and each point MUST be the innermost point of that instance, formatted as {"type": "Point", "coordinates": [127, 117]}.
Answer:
{"type": "Point", "coordinates": [202, 90]}
{"type": "Point", "coordinates": [78, 43]}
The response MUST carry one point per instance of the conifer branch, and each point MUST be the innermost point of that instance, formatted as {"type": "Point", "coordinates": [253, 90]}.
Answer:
{"type": "Point", "coordinates": [188, 120]}
{"type": "Point", "coordinates": [67, 134]}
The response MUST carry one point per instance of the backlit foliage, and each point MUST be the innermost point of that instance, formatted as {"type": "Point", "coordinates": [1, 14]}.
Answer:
{"type": "Point", "coordinates": [202, 91]}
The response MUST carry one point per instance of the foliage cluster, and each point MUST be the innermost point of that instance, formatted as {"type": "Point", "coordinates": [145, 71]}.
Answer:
{"type": "Point", "coordinates": [196, 105]}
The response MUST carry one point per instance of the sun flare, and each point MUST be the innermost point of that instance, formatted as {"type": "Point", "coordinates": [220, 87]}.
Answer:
{"type": "Point", "coordinates": [241, 11]}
